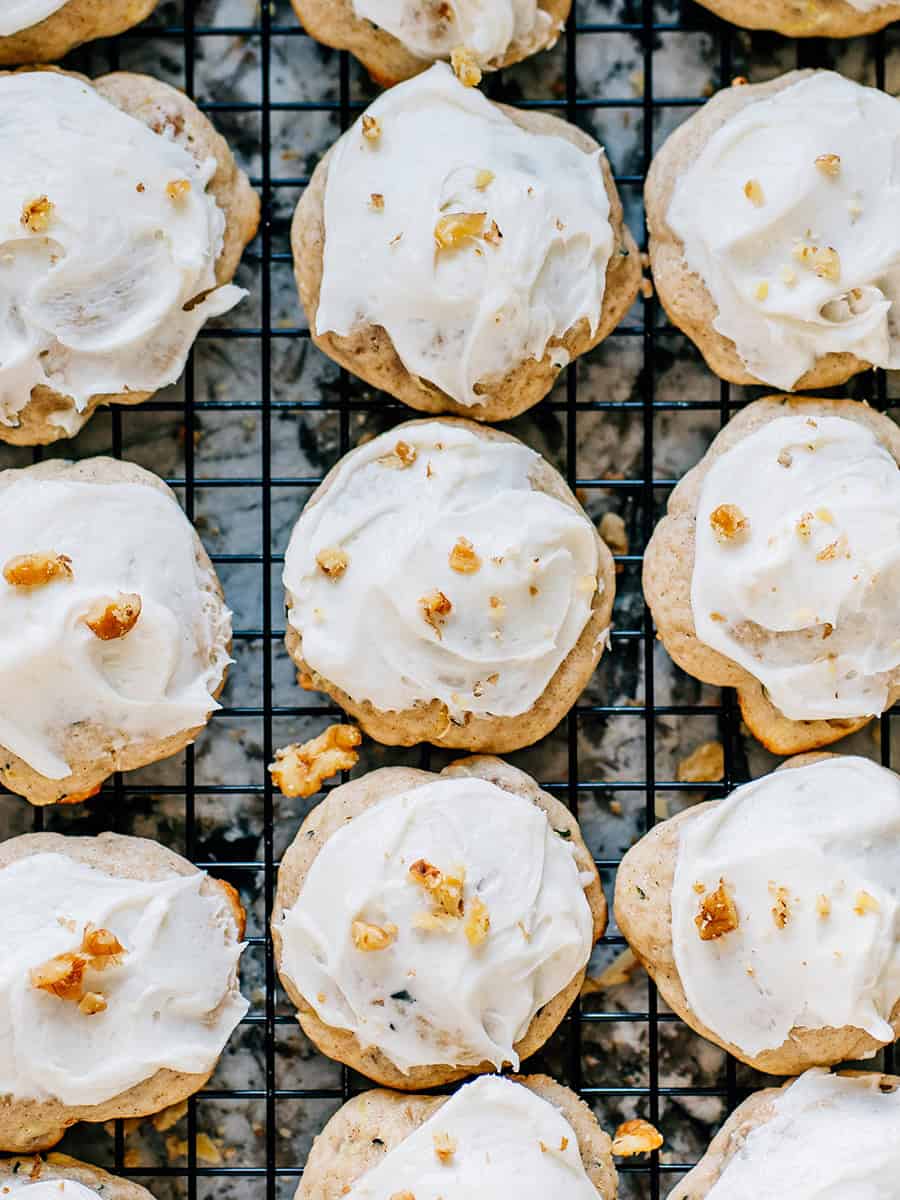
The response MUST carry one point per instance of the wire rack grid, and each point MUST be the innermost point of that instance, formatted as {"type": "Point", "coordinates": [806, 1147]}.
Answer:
{"type": "Point", "coordinates": [182, 30]}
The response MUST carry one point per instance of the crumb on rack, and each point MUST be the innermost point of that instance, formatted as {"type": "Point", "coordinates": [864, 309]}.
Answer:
{"type": "Point", "coordinates": [301, 769]}
{"type": "Point", "coordinates": [636, 1137]}
{"type": "Point", "coordinates": [705, 764]}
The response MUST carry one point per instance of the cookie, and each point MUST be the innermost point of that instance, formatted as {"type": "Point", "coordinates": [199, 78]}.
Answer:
{"type": "Point", "coordinates": [775, 570]}
{"type": "Point", "coordinates": [767, 919]}
{"type": "Point", "coordinates": [817, 1135]}
{"type": "Point", "coordinates": [125, 219]}
{"type": "Point", "coordinates": [59, 1177]}
{"type": "Point", "coordinates": [114, 635]}
{"type": "Point", "coordinates": [120, 982]}
{"type": "Point", "coordinates": [459, 934]}
{"type": "Point", "coordinates": [397, 40]}
{"type": "Point", "coordinates": [464, 288]}
{"type": "Point", "coordinates": [772, 234]}
{"type": "Point", "coordinates": [39, 31]}
{"type": "Point", "coordinates": [443, 584]}
{"type": "Point", "coordinates": [529, 1132]}
{"type": "Point", "coordinates": [808, 18]}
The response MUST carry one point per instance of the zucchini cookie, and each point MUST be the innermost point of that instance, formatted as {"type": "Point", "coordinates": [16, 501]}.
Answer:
{"type": "Point", "coordinates": [808, 18]}
{"type": "Point", "coordinates": [457, 254]}
{"type": "Point", "coordinates": [114, 635]}
{"type": "Point", "coordinates": [773, 237]}
{"type": "Point", "coordinates": [495, 1137]}
{"type": "Point", "coordinates": [119, 983]}
{"type": "Point", "coordinates": [39, 31]}
{"type": "Point", "coordinates": [443, 584]}
{"type": "Point", "coordinates": [777, 568]}
{"type": "Point", "coordinates": [769, 920]}
{"type": "Point", "coordinates": [395, 39]}
{"type": "Point", "coordinates": [431, 926]}
{"type": "Point", "coordinates": [820, 1135]}
{"type": "Point", "coordinates": [123, 217]}
{"type": "Point", "coordinates": [58, 1177]}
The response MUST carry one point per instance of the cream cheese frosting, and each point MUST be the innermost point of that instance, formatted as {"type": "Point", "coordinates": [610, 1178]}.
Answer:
{"type": "Point", "coordinates": [47, 1189]}
{"type": "Point", "coordinates": [23, 14]}
{"type": "Point", "coordinates": [436, 993]}
{"type": "Point", "coordinates": [811, 860]}
{"type": "Point", "coordinates": [789, 216]}
{"type": "Point", "coordinates": [804, 595]}
{"type": "Point", "coordinates": [483, 304]}
{"type": "Point", "coordinates": [171, 998]}
{"type": "Point", "coordinates": [434, 28]}
{"type": "Point", "coordinates": [829, 1136]}
{"type": "Point", "coordinates": [515, 614]}
{"type": "Point", "coordinates": [121, 539]}
{"type": "Point", "coordinates": [108, 245]}
{"type": "Point", "coordinates": [502, 1134]}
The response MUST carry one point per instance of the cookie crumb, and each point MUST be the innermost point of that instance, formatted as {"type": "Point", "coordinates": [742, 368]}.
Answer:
{"type": "Point", "coordinates": [718, 914]}
{"type": "Point", "coordinates": [636, 1137]}
{"type": "Point", "coordinates": [301, 769]}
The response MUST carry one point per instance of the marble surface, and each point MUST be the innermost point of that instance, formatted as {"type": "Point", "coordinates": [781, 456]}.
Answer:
{"type": "Point", "coordinates": [224, 435]}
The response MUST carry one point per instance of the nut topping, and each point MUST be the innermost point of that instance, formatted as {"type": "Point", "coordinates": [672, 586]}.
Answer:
{"type": "Point", "coordinates": [728, 522]}
{"type": "Point", "coordinates": [332, 561]}
{"type": "Point", "coordinates": [402, 456]}
{"type": "Point", "coordinates": [829, 164]}
{"type": "Point", "coordinates": [444, 1146]}
{"type": "Point", "coordinates": [300, 770]}
{"type": "Point", "coordinates": [865, 904]}
{"type": "Point", "coordinates": [92, 1003]}
{"type": "Point", "coordinates": [435, 608]}
{"type": "Point", "coordinates": [446, 890]}
{"type": "Point", "coordinates": [102, 947]}
{"type": "Point", "coordinates": [60, 976]}
{"type": "Point", "coordinates": [493, 236]}
{"type": "Point", "coordinates": [754, 193]}
{"type": "Point", "coordinates": [34, 570]}
{"type": "Point", "coordinates": [37, 214]}
{"type": "Point", "coordinates": [463, 558]}
{"type": "Point", "coordinates": [823, 906]}
{"type": "Point", "coordinates": [636, 1137]}
{"type": "Point", "coordinates": [111, 619]}
{"type": "Point", "coordinates": [824, 260]}
{"type": "Point", "coordinates": [376, 201]}
{"type": "Point", "coordinates": [781, 911]}
{"type": "Point", "coordinates": [177, 189]}
{"type": "Point", "coordinates": [371, 938]}
{"type": "Point", "coordinates": [371, 128]}
{"type": "Point", "coordinates": [465, 66]}
{"type": "Point", "coordinates": [718, 914]}
{"type": "Point", "coordinates": [478, 923]}
{"type": "Point", "coordinates": [453, 229]}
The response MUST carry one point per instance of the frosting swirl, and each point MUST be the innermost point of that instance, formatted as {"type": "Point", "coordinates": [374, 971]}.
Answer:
{"type": "Point", "coordinates": [108, 237]}
{"type": "Point", "coordinates": [171, 998]}
{"type": "Point", "coordinates": [121, 539]}
{"type": "Point", "coordinates": [443, 990]}
{"type": "Point", "coordinates": [433, 28]}
{"type": "Point", "coordinates": [828, 1136]}
{"type": "Point", "coordinates": [531, 267]}
{"type": "Point", "coordinates": [520, 595]}
{"type": "Point", "coordinates": [809, 857]}
{"type": "Point", "coordinates": [789, 216]}
{"type": "Point", "coordinates": [498, 1129]}
{"type": "Point", "coordinates": [804, 594]}
{"type": "Point", "coordinates": [23, 14]}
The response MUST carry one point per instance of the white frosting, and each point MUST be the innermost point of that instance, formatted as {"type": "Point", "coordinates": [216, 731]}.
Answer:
{"type": "Point", "coordinates": [54, 672]}
{"type": "Point", "coordinates": [172, 1001]}
{"type": "Point", "coordinates": [830, 1138]}
{"type": "Point", "coordinates": [23, 14]}
{"type": "Point", "coordinates": [433, 28]}
{"type": "Point", "coordinates": [780, 592]}
{"type": "Point", "coordinates": [366, 632]}
{"type": "Point", "coordinates": [46, 1189]}
{"type": "Point", "coordinates": [481, 308]}
{"type": "Point", "coordinates": [432, 997]}
{"type": "Point", "coordinates": [828, 830]}
{"type": "Point", "coordinates": [497, 1127]}
{"type": "Point", "coordinates": [95, 302]}
{"type": "Point", "coordinates": [780, 314]}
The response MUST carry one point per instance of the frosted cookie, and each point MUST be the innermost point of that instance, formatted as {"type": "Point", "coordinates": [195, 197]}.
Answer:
{"type": "Point", "coordinates": [773, 237]}
{"type": "Point", "coordinates": [770, 920]}
{"type": "Point", "coordinates": [818, 1136]}
{"type": "Point", "coordinates": [395, 39]}
{"type": "Point", "coordinates": [119, 983]}
{"type": "Point", "coordinates": [123, 217]}
{"type": "Point", "coordinates": [39, 31]}
{"type": "Point", "coordinates": [431, 926]}
{"type": "Point", "coordinates": [443, 584]}
{"type": "Point", "coordinates": [777, 568]}
{"type": "Point", "coordinates": [58, 1177]}
{"type": "Point", "coordinates": [114, 635]}
{"type": "Point", "coordinates": [457, 254]}
{"type": "Point", "coordinates": [808, 18]}
{"type": "Point", "coordinates": [495, 1137]}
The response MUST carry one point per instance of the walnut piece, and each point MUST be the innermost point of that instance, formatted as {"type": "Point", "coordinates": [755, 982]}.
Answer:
{"type": "Point", "coordinates": [376, 201]}
{"type": "Point", "coordinates": [823, 906]}
{"type": "Point", "coordinates": [453, 229]}
{"type": "Point", "coordinates": [824, 260]}
{"type": "Point", "coordinates": [445, 888]}
{"type": "Point", "coordinates": [435, 608]}
{"type": "Point", "coordinates": [718, 914]}
{"type": "Point", "coordinates": [102, 947]}
{"type": "Point", "coordinates": [92, 1003]}
{"type": "Point", "coordinates": [728, 522]}
{"type": "Point", "coordinates": [463, 558]}
{"type": "Point", "coordinates": [332, 562]}
{"type": "Point", "coordinates": [781, 910]}
{"type": "Point", "coordinates": [371, 128]}
{"type": "Point", "coordinates": [402, 456]}
{"type": "Point", "coordinates": [829, 164]}
{"type": "Point", "coordinates": [61, 976]}
{"type": "Point", "coordinates": [478, 923]}
{"type": "Point", "coordinates": [444, 1146]}
{"type": "Point", "coordinates": [706, 764]}
{"type": "Point", "coordinates": [636, 1137]}
{"type": "Point", "coordinates": [370, 938]}
{"type": "Point", "coordinates": [301, 769]}
{"type": "Point", "coordinates": [110, 619]}
{"type": "Point", "coordinates": [465, 66]}
{"type": "Point", "coordinates": [865, 904]}
{"type": "Point", "coordinates": [178, 189]}
{"type": "Point", "coordinates": [754, 193]}
{"type": "Point", "coordinates": [37, 214]}
{"type": "Point", "coordinates": [493, 235]}
{"type": "Point", "coordinates": [34, 570]}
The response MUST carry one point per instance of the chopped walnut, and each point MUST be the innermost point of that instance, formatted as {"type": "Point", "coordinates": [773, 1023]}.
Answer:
{"type": "Point", "coordinates": [804, 525]}
{"type": "Point", "coordinates": [370, 938]}
{"type": "Point", "coordinates": [478, 923]}
{"type": "Point", "coordinates": [754, 193]}
{"type": "Point", "coordinates": [728, 522]}
{"type": "Point", "coordinates": [376, 201]}
{"type": "Point", "coordinates": [177, 189]}
{"type": "Point", "coordinates": [455, 228]}
{"type": "Point", "coordinates": [102, 947]}
{"type": "Point", "coordinates": [781, 911]}
{"type": "Point", "coordinates": [111, 619]}
{"type": "Point", "coordinates": [300, 770]}
{"type": "Point", "coordinates": [829, 164]}
{"type": "Point", "coordinates": [37, 214]}
{"type": "Point", "coordinates": [371, 128]}
{"type": "Point", "coordinates": [718, 914]}
{"type": "Point", "coordinates": [92, 1003]}
{"type": "Point", "coordinates": [402, 456]}
{"type": "Point", "coordinates": [34, 570]}
{"type": "Point", "coordinates": [833, 550]}
{"type": "Point", "coordinates": [465, 66]}
{"type": "Point", "coordinates": [493, 236]}
{"type": "Point", "coordinates": [636, 1137]}
{"type": "Point", "coordinates": [463, 558]}
{"type": "Point", "coordinates": [444, 1146]}
{"type": "Point", "coordinates": [60, 976]}
{"type": "Point", "coordinates": [823, 906]}
{"type": "Point", "coordinates": [445, 888]}
{"type": "Point", "coordinates": [483, 179]}
{"type": "Point", "coordinates": [824, 260]}
{"type": "Point", "coordinates": [706, 764]}
{"type": "Point", "coordinates": [865, 904]}
{"type": "Point", "coordinates": [435, 608]}
{"type": "Point", "coordinates": [785, 458]}
{"type": "Point", "coordinates": [332, 561]}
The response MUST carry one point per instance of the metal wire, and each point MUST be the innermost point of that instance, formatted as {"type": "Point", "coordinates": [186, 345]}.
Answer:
{"type": "Point", "coordinates": [646, 492]}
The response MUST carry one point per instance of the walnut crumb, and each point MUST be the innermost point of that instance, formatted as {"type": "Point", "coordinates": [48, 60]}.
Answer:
{"type": "Point", "coordinates": [435, 608]}
{"type": "Point", "coordinates": [717, 616]}
{"type": "Point", "coordinates": [497, 605]}
{"type": "Point", "coordinates": [455, 228]}
{"type": "Point", "coordinates": [718, 914]}
{"type": "Point", "coordinates": [865, 903]}
{"type": "Point", "coordinates": [371, 938]}
{"type": "Point", "coordinates": [483, 179]}
{"type": "Point", "coordinates": [102, 947]}
{"type": "Point", "coordinates": [754, 193]}
{"type": "Point", "coordinates": [493, 235]}
{"type": "Point", "coordinates": [785, 458]}
{"type": "Point", "coordinates": [61, 976]}
{"type": "Point", "coordinates": [371, 128]}
{"type": "Point", "coordinates": [332, 561]}
{"type": "Point", "coordinates": [92, 1003]}
{"type": "Point", "coordinates": [788, 276]}
{"type": "Point", "coordinates": [445, 888]}
{"type": "Point", "coordinates": [37, 214]}
{"type": "Point", "coordinates": [301, 769]}
{"type": "Point", "coordinates": [614, 533]}
{"type": "Point", "coordinates": [824, 260]}
{"type": "Point", "coordinates": [444, 1146]}
{"type": "Point", "coordinates": [463, 558]}
{"type": "Point", "coordinates": [177, 189]}
{"type": "Point", "coordinates": [823, 906]}
{"type": "Point", "coordinates": [465, 66]}
{"type": "Point", "coordinates": [829, 164]}
{"type": "Point", "coordinates": [831, 551]}
{"type": "Point", "coordinates": [781, 910]}
{"type": "Point", "coordinates": [402, 456]}
{"type": "Point", "coordinates": [110, 619]}
{"type": "Point", "coordinates": [706, 764]}
{"type": "Point", "coordinates": [804, 525]}
{"type": "Point", "coordinates": [636, 1137]}
{"type": "Point", "coordinates": [34, 570]}
{"type": "Point", "coordinates": [728, 522]}
{"type": "Point", "coordinates": [478, 923]}
{"type": "Point", "coordinates": [376, 201]}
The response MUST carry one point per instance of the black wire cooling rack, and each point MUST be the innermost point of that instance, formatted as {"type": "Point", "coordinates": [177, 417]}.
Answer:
{"type": "Point", "coordinates": [182, 30]}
